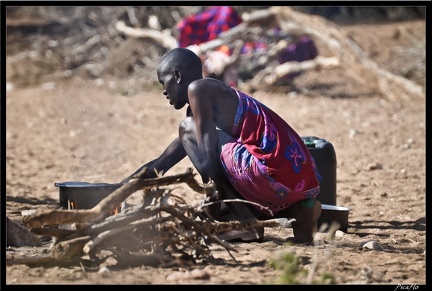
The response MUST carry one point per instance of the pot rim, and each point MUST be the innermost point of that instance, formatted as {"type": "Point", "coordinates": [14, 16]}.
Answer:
{"type": "Point", "coordinates": [334, 207]}
{"type": "Point", "coordinates": [77, 184]}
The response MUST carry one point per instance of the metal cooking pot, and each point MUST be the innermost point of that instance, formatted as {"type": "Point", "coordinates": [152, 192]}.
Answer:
{"type": "Point", "coordinates": [83, 195]}
{"type": "Point", "coordinates": [333, 213]}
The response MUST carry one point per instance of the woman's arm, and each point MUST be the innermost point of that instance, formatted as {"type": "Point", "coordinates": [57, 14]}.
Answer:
{"type": "Point", "coordinates": [173, 154]}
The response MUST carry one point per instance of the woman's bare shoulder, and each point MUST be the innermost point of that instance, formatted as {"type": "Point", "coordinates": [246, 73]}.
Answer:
{"type": "Point", "coordinates": [211, 87]}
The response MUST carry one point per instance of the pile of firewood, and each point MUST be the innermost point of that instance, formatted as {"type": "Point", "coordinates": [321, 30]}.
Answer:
{"type": "Point", "coordinates": [162, 231]}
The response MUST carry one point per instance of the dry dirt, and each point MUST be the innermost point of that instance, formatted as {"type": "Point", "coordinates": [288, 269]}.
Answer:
{"type": "Point", "coordinates": [84, 132]}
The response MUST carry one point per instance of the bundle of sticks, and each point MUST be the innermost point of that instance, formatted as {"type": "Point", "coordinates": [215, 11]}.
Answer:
{"type": "Point", "coordinates": [161, 231]}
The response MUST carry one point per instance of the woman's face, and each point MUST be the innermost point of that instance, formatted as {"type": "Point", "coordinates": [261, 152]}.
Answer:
{"type": "Point", "coordinates": [174, 88]}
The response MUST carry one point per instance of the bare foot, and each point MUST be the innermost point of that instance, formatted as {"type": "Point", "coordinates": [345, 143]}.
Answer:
{"type": "Point", "coordinates": [306, 213]}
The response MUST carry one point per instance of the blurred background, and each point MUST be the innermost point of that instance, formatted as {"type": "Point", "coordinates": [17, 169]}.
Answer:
{"type": "Point", "coordinates": [46, 44]}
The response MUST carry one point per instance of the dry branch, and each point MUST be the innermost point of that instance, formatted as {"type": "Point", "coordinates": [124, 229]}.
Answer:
{"type": "Point", "coordinates": [51, 231]}
{"type": "Point", "coordinates": [164, 38]}
{"type": "Point", "coordinates": [273, 73]}
{"type": "Point", "coordinates": [70, 248]}
{"type": "Point", "coordinates": [91, 244]}
{"type": "Point", "coordinates": [30, 261]}
{"type": "Point", "coordinates": [83, 49]}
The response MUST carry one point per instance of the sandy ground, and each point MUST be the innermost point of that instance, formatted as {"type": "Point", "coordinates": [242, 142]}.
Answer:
{"type": "Point", "coordinates": [83, 132]}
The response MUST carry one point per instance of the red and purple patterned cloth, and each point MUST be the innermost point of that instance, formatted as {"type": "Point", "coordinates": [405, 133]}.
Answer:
{"type": "Point", "coordinates": [268, 163]}
{"type": "Point", "coordinates": [207, 25]}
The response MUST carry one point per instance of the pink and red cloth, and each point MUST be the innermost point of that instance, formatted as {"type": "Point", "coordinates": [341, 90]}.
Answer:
{"type": "Point", "coordinates": [268, 163]}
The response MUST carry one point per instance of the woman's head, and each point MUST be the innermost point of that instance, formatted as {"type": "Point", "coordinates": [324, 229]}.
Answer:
{"type": "Point", "coordinates": [177, 69]}
{"type": "Point", "coordinates": [182, 59]}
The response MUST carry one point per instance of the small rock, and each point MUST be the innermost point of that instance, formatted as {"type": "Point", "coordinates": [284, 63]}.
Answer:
{"type": "Point", "coordinates": [104, 270]}
{"type": "Point", "coordinates": [20, 236]}
{"type": "Point", "coordinates": [374, 166]}
{"type": "Point", "coordinates": [353, 132]}
{"type": "Point", "coordinates": [339, 233]}
{"type": "Point", "coordinates": [372, 245]}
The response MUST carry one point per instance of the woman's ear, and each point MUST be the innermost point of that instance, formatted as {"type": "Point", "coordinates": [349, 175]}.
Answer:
{"type": "Point", "coordinates": [177, 75]}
